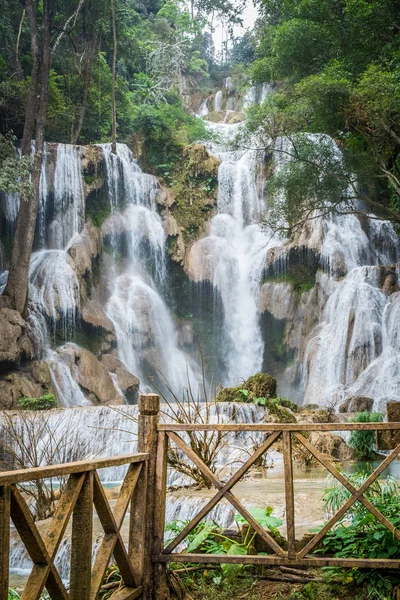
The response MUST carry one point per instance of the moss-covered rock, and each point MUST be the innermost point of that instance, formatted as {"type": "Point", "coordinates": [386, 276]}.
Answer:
{"type": "Point", "coordinates": [257, 387]}
{"type": "Point", "coordinates": [214, 117]}
{"type": "Point", "coordinates": [194, 193]}
{"type": "Point", "coordinates": [229, 395]}
{"type": "Point", "coordinates": [261, 385]}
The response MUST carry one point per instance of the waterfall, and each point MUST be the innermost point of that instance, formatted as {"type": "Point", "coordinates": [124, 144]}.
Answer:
{"type": "Point", "coordinates": [146, 335]}
{"type": "Point", "coordinates": [218, 101]}
{"type": "Point", "coordinates": [127, 184]}
{"type": "Point", "coordinates": [55, 290]}
{"type": "Point", "coordinates": [232, 257]}
{"type": "Point", "coordinates": [203, 112]}
{"type": "Point", "coordinates": [69, 200]}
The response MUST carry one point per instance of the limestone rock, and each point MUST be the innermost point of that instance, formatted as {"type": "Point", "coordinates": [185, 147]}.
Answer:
{"type": "Point", "coordinates": [390, 285]}
{"type": "Point", "coordinates": [165, 197]}
{"type": "Point", "coordinates": [331, 444]}
{"type": "Point", "coordinates": [233, 117]}
{"type": "Point", "coordinates": [94, 316]}
{"type": "Point", "coordinates": [41, 372]}
{"type": "Point", "coordinates": [14, 341]}
{"type": "Point", "coordinates": [128, 383]}
{"type": "Point", "coordinates": [86, 249]}
{"type": "Point", "coordinates": [92, 375]}
{"type": "Point", "coordinates": [16, 386]}
{"type": "Point", "coordinates": [356, 404]}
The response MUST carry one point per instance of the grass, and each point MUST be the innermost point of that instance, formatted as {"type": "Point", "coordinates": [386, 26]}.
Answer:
{"type": "Point", "coordinates": [200, 586]}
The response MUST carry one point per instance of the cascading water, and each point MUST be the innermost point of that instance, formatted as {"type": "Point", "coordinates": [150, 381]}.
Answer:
{"type": "Point", "coordinates": [218, 101]}
{"type": "Point", "coordinates": [144, 329]}
{"type": "Point", "coordinates": [232, 257]}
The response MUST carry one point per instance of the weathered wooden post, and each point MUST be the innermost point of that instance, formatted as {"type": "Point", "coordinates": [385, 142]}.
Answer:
{"type": "Point", "coordinates": [4, 540]}
{"type": "Point", "coordinates": [142, 527]}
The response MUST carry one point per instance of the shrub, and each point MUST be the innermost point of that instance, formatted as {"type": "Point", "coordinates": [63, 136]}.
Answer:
{"type": "Point", "coordinates": [365, 536]}
{"type": "Point", "coordinates": [363, 442]}
{"type": "Point", "coordinates": [45, 402]}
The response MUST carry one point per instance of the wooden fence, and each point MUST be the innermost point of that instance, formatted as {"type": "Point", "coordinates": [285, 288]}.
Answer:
{"type": "Point", "coordinates": [144, 490]}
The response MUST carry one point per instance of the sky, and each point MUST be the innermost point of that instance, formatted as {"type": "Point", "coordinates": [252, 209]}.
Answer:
{"type": "Point", "coordinates": [249, 18]}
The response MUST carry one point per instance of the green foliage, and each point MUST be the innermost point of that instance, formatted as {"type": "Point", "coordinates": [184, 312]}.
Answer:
{"type": "Point", "coordinates": [45, 402]}
{"type": "Point", "coordinates": [365, 536]}
{"type": "Point", "coordinates": [208, 537]}
{"type": "Point", "coordinates": [165, 129]}
{"type": "Point", "coordinates": [363, 442]}
{"type": "Point", "coordinates": [13, 595]}
{"type": "Point", "coordinates": [14, 172]}
{"type": "Point", "coordinates": [339, 62]}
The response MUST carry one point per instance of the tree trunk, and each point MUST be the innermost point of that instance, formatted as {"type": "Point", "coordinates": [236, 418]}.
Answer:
{"type": "Point", "coordinates": [19, 74]}
{"type": "Point", "coordinates": [18, 280]}
{"type": "Point", "coordinates": [114, 74]}
{"type": "Point", "coordinates": [81, 117]}
{"type": "Point", "coordinates": [30, 115]}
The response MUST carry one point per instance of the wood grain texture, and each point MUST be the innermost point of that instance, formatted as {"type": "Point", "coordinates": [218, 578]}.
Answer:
{"type": "Point", "coordinates": [289, 493]}
{"type": "Point", "coordinates": [81, 543]}
{"type": "Point", "coordinates": [277, 426]}
{"type": "Point", "coordinates": [5, 502]}
{"type": "Point", "coordinates": [26, 475]}
{"type": "Point", "coordinates": [256, 559]}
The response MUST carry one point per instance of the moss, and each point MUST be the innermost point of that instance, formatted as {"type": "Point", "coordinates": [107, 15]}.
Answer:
{"type": "Point", "coordinates": [98, 216]}
{"type": "Point", "coordinates": [261, 385]}
{"type": "Point", "coordinates": [214, 117]}
{"type": "Point", "coordinates": [299, 284]}
{"type": "Point", "coordinates": [195, 189]}
{"type": "Point", "coordinates": [231, 394]}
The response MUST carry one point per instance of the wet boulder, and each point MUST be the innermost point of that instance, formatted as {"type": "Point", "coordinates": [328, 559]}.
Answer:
{"type": "Point", "coordinates": [15, 344]}
{"type": "Point", "coordinates": [92, 376]}
{"type": "Point", "coordinates": [15, 386]}
{"type": "Point", "coordinates": [356, 404]}
{"type": "Point", "coordinates": [128, 383]}
{"type": "Point", "coordinates": [94, 316]}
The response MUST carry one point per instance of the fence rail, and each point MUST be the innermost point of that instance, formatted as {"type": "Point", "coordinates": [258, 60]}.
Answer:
{"type": "Point", "coordinates": [82, 492]}
{"type": "Point", "coordinates": [286, 434]}
{"type": "Point", "coordinates": [143, 494]}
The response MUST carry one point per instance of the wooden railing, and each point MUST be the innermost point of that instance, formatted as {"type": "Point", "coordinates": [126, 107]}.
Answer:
{"type": "Point", "coordinates": [286, 434]}
{"type": "Point", "coordinates": [143, 493]}
{"type": "Point", "coordinates": [83, 490]}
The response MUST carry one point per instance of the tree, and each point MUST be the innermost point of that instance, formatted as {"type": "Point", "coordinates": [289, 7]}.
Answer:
{"type": "Point", "coordinates": [338, 65]}
{"type": "Point", "coordinates": [114, 74]}
{"type": "Point", "coordinates": [41, 30]}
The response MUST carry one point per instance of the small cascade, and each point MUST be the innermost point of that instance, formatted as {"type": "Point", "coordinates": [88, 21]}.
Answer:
{"type": "Point", "coordinates": [86, 431]}
{"type": "Point", "coordinates": [228, 84]}
{"type": "Point", "coordinates": [68, 392]}
{"type": "Point", "coordinates": [69, 200]}
{"type": "Point", "coordinates": [203, 112]}
{"type": "Point", "coordinates": [127, 184]}
{"type": "Point", "coordinates": [54, 289]}
{"type": "Point", "coordinates": [218, 101]}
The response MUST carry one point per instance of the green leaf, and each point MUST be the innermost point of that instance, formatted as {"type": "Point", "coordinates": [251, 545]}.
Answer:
{"type": "Point", "coordinates": [201, 537]}
{"type": "Point", "coordinates": [262, 516]}
{"type": "Point", "coordinates": [231, 570]}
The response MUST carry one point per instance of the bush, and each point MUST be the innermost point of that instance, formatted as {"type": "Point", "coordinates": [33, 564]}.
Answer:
{"type": "Point", "coordinates": [166, 129]}
{"type": "Point", "coordinates": [363, 442]}
{"type": "Point", "coordinates": [45, 402]}
{"type": "Point", "coordinates": [365, 536]}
